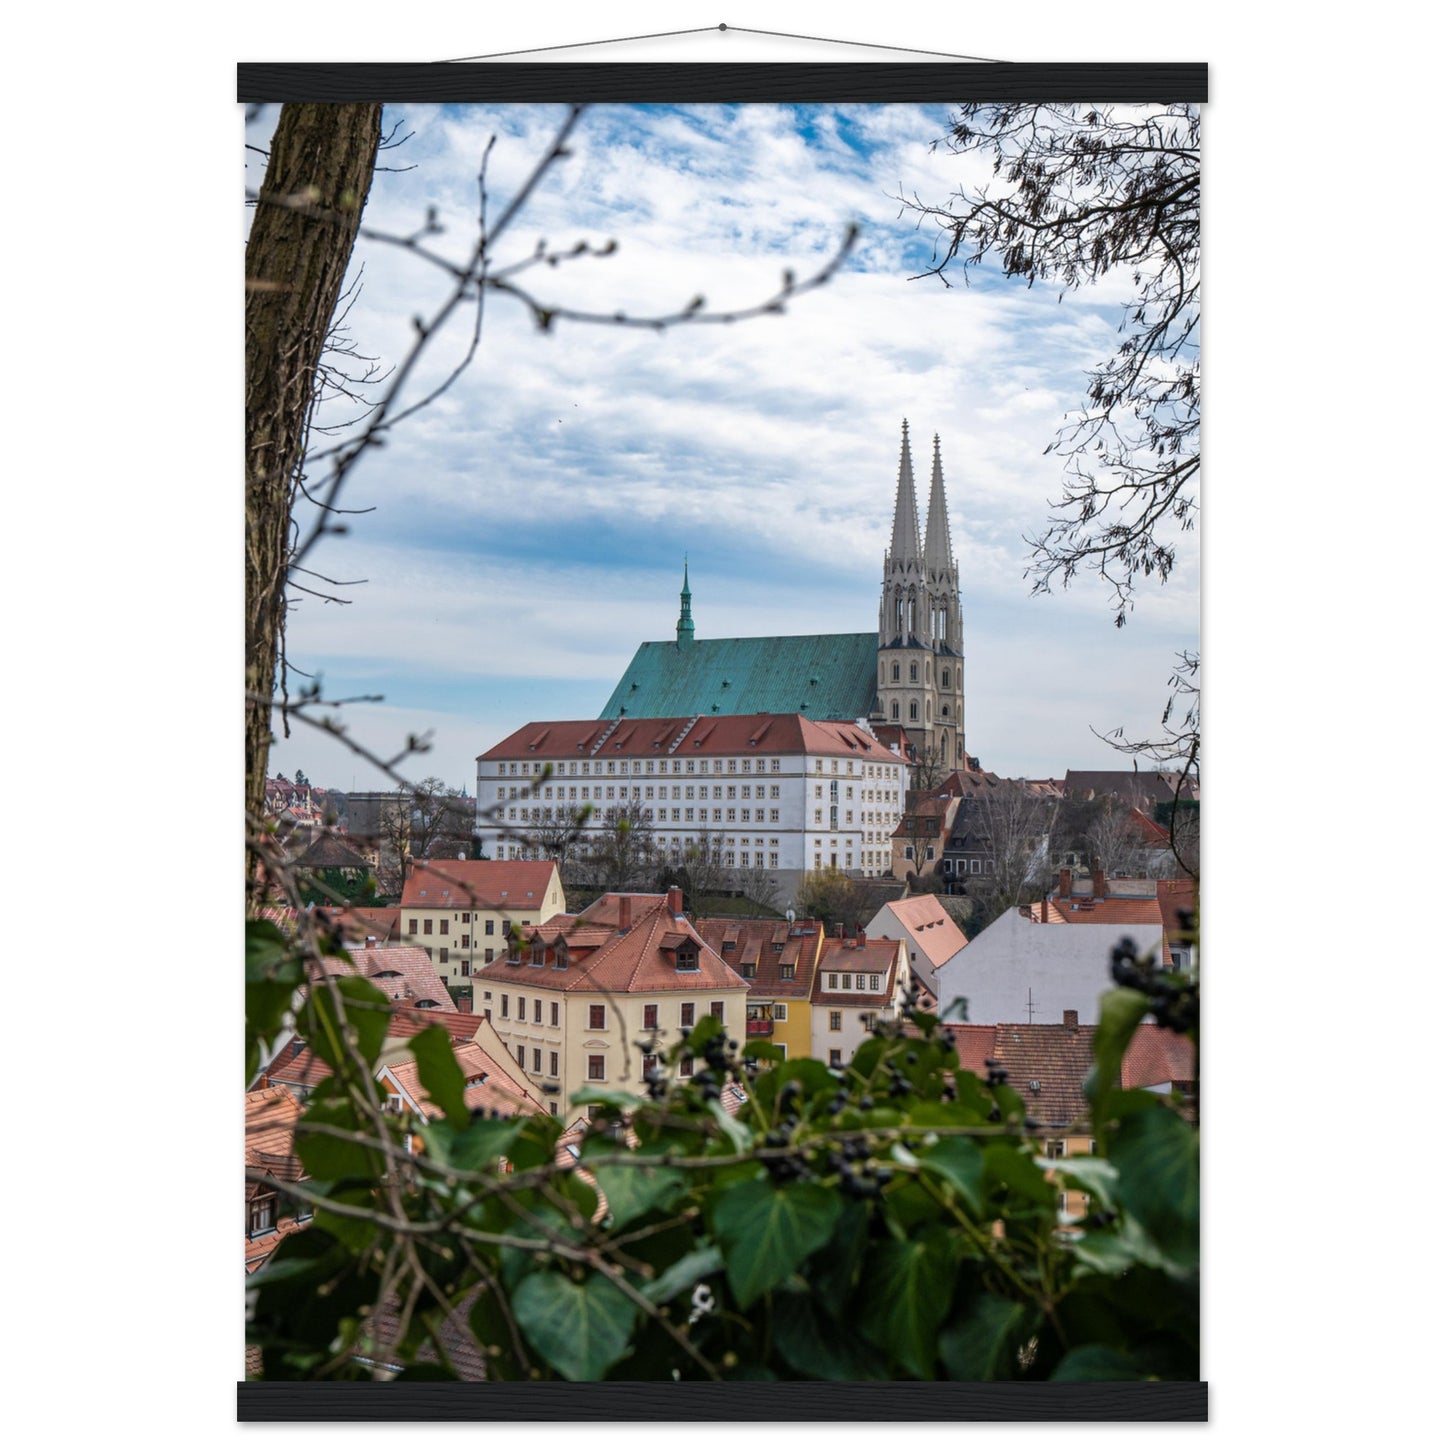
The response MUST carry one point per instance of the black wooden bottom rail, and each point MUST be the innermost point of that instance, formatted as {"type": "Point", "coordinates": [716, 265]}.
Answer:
{"type": "Point", "coordinates": [1181, 1401]}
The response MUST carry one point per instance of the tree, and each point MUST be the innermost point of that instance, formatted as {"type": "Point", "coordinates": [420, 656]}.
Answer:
{"type": "Point", "coordinates": [308, 211]}
{"type": "Point", "coordinates": [1088, 191]}
{"type": "Point", "coordinates": [621, 854]}
{"type": "Point", "coordinates": [831, 896]}
{"type": "Point", "coordinates": [759, 885]}
{"type": "Point", "coordinates": [1008, 823]}
{"type": "Point", "coordinates": [558, 835]}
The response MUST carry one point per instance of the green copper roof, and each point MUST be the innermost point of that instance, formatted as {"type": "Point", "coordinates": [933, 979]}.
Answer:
{"type": "Point", "coordinates": [823, 677]}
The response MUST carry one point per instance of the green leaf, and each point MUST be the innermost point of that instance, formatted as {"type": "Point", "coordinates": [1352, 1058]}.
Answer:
{"type": "Point", "coordinates": [634, 1190]}
{"type": "Point", "coordinates": [766, 1233]}
{"type": "Point", "coordinates": [684, 1274]}
{"type": "Point", "coordinates": [328, 1157]}
{"type": "Point", "coordinates": [702, 1033]}
{"type": "Point", "coordinates": [1121, 1011]}
{"type": "Point", "coordinates": [440, 1074]}
{"type": "Point", "coordinates": [1157, 1155]}
{"type": "Point", "coordinates": [960, 1162]}
{"type": "Point", "coordinates": [816, 1348]}
{"type": "Point", "coordinates": [1097, 1362]}
{"type": "Point", "coordinates": [1006, 1167]}
{"type": "Point", "coordinates": [764, 1052]}
{"type": "Point", "coordinates": [273, 974]}
{"type": "Point", "coordinates": [1097, 1177]}
{"type": "Point", "coordinates": [364, 1011]}
{"type": "Point", "coordinates": [982, 1341]}
{"type": "Point", "coordinates": [581, 1330]}
{"type": "Point", "coordinates": [907, 1285]}
{"type": "Point", "coordinates": [489, 1323]}
{"type": "Point", "coordinates": [482, 1144]}
{"type": "Point", "coordinates": [737, 1134]}
{"type": "Point", "coordinates": [615, 1098]}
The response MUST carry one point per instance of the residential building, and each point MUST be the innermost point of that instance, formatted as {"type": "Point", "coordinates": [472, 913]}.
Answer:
{"type": "Point", "coordinates": [857, 980]}
{"type": "Point", "coordinates": [271, 1213]}
{"type": "Point", "coordinates": [404, 973]}
{"type": "Point", "coordinates": [578, 996]}
{"type": "Point", "coordinates": [927, 930]}
{"type": "Point", "coordinates": [461, 911]}
{"type": "Point", "coordinates": [782, 792]}
{"type": "Point", "coordinates": [777, 959]}
{"type": "Point", "coordinates": [922, 834]}
{"type": "Point", "coordinates": [1031, 964]}
{"type": "Point", "coordinates": [907, 675]}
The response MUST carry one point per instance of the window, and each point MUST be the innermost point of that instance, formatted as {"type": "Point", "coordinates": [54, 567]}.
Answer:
{"type": "Point", "coordinates": [466, 940]}
{"type": "Point", "coordinates": [506, 1005]}
{"type": "Point", "coordinates": [835, 1021]}
{"type": "Point", "coordinates": [895, 672]}
{"type": "Point", "coordinates": [445, 955]}
{"type": "Point", "coordinates": [835, 1058]}
{"type": "Point", "coordinates": [536, 1061]}
{"type": "Point", "coordinates": [649, 1016]}
{"type": "Point", "coordinates": [1054, 1149]}
{"type": "Point", "coordinates": [689, 1011]}
{"type": "Point", "coordinates": [488, 958]}
{"type": "Point", "coordinates": [847, 983]}
{"type": "Point", "coordinates": [649, 1064]}
{"type": "Point", "coordinates": [554, 1015]}
{"type": "Point", "coordinates": [716, 1008]}
{"type": "Point", "coordinates": [466, 918]}
{"type": "Point", "coordinates": [686, 957]}
{"type": "Point", "coordinates": [873, 982]}
{"type": "Point", "coordinates": [536, 1010]}
{"type": "Point", "coordinates": [596, 1066]}
{"type": "Point", "coordinates": [426, 925]}
{"type": "Point", "coordinates": [895, 712]}
{"type": "Point", "coordinates": [261, 1216]}
{"type": "Point", "coordinates": [913, 712]}
{"type": "Point", "coordinates": [833, 980]}
{"type": "Point", "coordinates": [597, 1016]}
{"type": "Point", "coordinates": [787, 970]}
{"type": "Point", "coordinates": [446, 925]}
{"type": "Point", "coordinates": [491, 927]}
{"type": "Point", "coordinates": [552, 1064]}
{"type": "Point", "coordinates": [685, 1068]}
{"type": "Point", "coordinates": [522, 1055]}
{"type": "Point", "coordinates": [521, 1009]}
{"type": "Point", "coordinates": [780, 1012]}
{"type": "Point", "coordinates": [411, 925]}
{"type": "Point", "coordinates": [466, 968]}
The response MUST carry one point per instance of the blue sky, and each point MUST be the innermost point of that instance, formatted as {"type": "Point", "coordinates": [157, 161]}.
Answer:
{"type": "Point", "coordinates": [528, 530]}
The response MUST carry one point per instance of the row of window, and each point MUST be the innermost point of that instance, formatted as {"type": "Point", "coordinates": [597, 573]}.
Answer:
{"type": "Point", "coordinates": [638, 767]}
{"type": "Point", "coordinates": [945, 676]}
{"type": "Point", "coordinates": [444, 927]}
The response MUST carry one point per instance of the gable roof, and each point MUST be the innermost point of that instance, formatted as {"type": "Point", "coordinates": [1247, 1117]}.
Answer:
{"type": "Point", "coordinates": [856, 955]}
{"type": "Point", "coordinates": [830, 675]}
{"type": "Point", "coordinates": [478, 883]}
{"type": "Point", "coordinates": [400, 971]}
{"type": "Point", "coordinates": [602, 959]}
{"type": "Point", "coordinates": [357, 924]}
{"type": "Point", "coordinates": [487, 1086]}
{"type": "Point", "coordinates": [927, 926]}
{"type": "Point", "coordinates": [271, 1115]}
{"type": "Point", "coordinates": [328, 851]}
{"type": "Point", "coordinates": [753, 943]}
{"type": "Point", "coordinates": [690, 735]}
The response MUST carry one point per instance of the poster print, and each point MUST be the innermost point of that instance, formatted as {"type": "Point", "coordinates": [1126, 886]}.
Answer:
{"type": "Point", "coordinates": [669, 963]}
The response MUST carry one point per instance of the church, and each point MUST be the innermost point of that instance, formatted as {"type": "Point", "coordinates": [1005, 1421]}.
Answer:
{"type": "Point", "coordinates": [905, 680]}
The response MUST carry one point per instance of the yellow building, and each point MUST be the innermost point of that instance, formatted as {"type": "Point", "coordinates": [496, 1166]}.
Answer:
{"type": "Point", "coordinates": [578, 998]}
{"type": "Point", "coordinates": [461, 911]}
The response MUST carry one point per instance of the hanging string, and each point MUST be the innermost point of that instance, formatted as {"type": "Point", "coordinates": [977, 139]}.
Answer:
{"type": "Point", "coordinates": [737, 30]}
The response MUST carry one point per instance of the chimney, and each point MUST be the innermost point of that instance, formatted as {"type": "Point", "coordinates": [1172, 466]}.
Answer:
{"type": "Point", "coordinates": [624, 912]}
{"type": "Point", "coordinates": [464, 1004]}
{"type": "Point", "coordinates": [371, 940]}
{"type": "Point", "coordinates": [841, 927]}
{"type": "Point", "coordinates": [674, 901]}
{"type": "Point", "coordinates": [1066, 882]}
{"type": "Point", "coordinates": [1071, 1020]}
{"type": "Point", "coordinates": [1100, 887]}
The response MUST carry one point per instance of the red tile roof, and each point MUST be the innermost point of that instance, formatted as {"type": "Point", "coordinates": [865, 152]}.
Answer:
{"type": "Point", "coordinates": [359, 924]}
{"type": "Point", "coordinates": [755, 947]}
{"type": "Point", "coordinates": [478, 883]}
{"type": "Point", "coordinates": [1157, 1056]}
{"type": "Point", "coordinates": [271, 1115]}
{"type": "Point", "coordinates": [783, 733]}
{"type": "Point", "coordinates": [638, 961]}
{"type": "Point", "coordinates": [928, 926]}
{"type": "Point", "coordinates": [1141, 911]}
{"type": "Point", "coordinates": [487, 1086]}
{"type": "Point", "coordinates": [400, 972]}
{"type": "Point", "coordinates": [850, 955]}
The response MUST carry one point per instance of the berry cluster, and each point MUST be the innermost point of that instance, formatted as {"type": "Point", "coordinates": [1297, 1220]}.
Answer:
{"type": "Point", "coordinates": [1173, 1000]}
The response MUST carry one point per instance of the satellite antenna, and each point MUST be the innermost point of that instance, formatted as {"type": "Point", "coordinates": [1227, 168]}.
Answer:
{"type": "Point", "coordinates": [790, 915]}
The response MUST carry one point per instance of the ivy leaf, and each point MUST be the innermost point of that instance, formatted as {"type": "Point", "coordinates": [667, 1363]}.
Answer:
{"type": "Point", "coordinates": [684, 1274]}
{"type": "Point", "coordinates": [907, 1286]}
{"type": "Point", "coordinates": [273, 974]}
{"type": "Point", "coordinates": [363, 1009]}
{"type": "Point", "coordinates": [817, 1349]}
{"type": "Point", "coordinates": [481, 1145]}
{"type": "Point", "coordinates": [1121, 1011]}
{"type": "Point", "coordinates": [1157, 1156]}
{"type": "Point", "coordinates": [1097, 1177]}
{"type": "Point", "coordinates": [1097, 1362]}
{"type": "Point", "coordinates": [581, 1330]}
{"type": "Point", "coordinates": [632, 1191]}
{"type": "Point", "coordinates": [440, 1074]}
{"type": "Point", "coordinates": [960, 1162]}
{"type": "Point", "coordinates": [736, 1134]}
{"type": "Point", "coordinates": [766, 1233]}
{"type": "Point", "coordinates": [982, 1341]}
{"type": "Point", "coordinates": [1006, 1167]}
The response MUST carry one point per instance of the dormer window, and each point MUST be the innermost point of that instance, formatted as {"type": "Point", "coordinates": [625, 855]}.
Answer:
{"type": "Point", "coordinates": [261, 1216]}
{"type": "Point", "coordinates": [686, 957]}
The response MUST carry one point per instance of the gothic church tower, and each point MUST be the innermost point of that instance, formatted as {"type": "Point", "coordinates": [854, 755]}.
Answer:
{"type": "Point", "coordinates": [920, 628]}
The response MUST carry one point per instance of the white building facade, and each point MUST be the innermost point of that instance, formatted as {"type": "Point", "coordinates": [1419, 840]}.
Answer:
{"type": "Point", "coordinates": [778, 792]}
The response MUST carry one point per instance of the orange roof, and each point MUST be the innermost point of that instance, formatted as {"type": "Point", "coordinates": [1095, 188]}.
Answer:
{"type": "Point", "coordinates": [759, 949]}
{"type": "Point", "coordinates": [359, 924]}
{"type": "Point", "coordinates": [487, 1085]}
{"type": "Point", "coordinates": [478, 883]}
{"type": "Point", "coordinates": [1143, 911]}
{"type": "Point", "coordinates": [401, 972]}
{"type": "Point", "coordinates": [638, 961]}
{"type": "Point", "coordinates": [928, 925]}
{"type": "Point", "coordinates": [785, 733]}
{"type": "Point", "coordinates": [271, 1116]}
{"type": "Point", "coordinates": [850, 955]}
{"type": "Point", "coordinates": [1157, 1056]}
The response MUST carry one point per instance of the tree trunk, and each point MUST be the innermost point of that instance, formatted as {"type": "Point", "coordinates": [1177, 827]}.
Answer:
{"type": "Point", "coordinates": [307, 215]}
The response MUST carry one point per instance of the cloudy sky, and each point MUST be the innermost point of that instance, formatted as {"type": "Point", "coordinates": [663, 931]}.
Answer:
{"type": "Point", "coordinates": [521, 536]}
